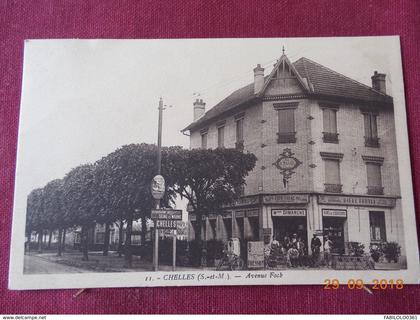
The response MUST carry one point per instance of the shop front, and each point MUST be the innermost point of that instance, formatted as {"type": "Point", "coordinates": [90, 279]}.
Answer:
{"type": "Point", "coordinates": [334, 223]}
{"type": "Point", "coordinates": [289, 223]}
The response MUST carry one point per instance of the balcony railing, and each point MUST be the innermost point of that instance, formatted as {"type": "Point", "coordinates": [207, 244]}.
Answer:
{"type": "Point", "coordinates": [375, 190]}
{"type": "Point", "coordinates": [286, 137]}
{"type": "Point", "coordinates": [372, 142]}
{"type": "Point", "coordinates": [239, 145]}
{"type": "Point", "coordinates": [333, 188]}
{"type": "Point", "coordinates": [330, 137]}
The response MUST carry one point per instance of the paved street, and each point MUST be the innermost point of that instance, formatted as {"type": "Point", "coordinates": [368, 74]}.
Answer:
{"type": "Point", "coordinates": [37, 265]}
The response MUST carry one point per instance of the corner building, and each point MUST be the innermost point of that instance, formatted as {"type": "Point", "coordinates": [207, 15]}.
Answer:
{"type": "Point", "coordinates": [327, 157]}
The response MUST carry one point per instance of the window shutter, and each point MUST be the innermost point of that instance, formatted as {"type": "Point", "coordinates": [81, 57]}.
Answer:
{"type": "Point", "coordinates": [221, 137]}
{"type": "Point", "coordinates": [333, 121]}
{"type": "Point", "coordinates": [368, 131]}
{"type": "Point", "coordinates": [373, 126]}
{"type": "Point", "coordinates": [240, 130]}
{"type": "Point", "coordinates": [374, 175]}
{"type": "Point", "coordinates": [332, 171]}
{"type": "Point", "coordinates": [286, 120]}
{"type": "Point", "coordinates": [204, 141]}
{"type": "Point", "coordinates": [326, 117]}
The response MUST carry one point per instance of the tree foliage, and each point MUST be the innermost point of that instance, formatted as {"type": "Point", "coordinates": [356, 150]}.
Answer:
{"type": "Point", "coordinates": [117, 187]}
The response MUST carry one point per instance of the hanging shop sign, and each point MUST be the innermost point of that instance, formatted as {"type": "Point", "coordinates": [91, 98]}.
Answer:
{"type": "Point", "coordinates": [288, 212]}
{"type": "Point", "coordinates": [157, 187]}
{"type": "Point", "coordinates": [285, 198]}
{"type": "Point", "coordinates": [334, 213]}
{"type": "Point", "coordinates": [255, 255]}
{"type": "Point", "coordinates": [357, 201]}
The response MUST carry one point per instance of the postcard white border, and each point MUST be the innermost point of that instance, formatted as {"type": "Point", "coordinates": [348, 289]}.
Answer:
{"type": "Point", "coordinates": [20, 281]}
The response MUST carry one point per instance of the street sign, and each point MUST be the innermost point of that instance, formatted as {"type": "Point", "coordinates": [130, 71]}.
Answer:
{"type": "Point", "coordinates": [166, 224]}
{"type": "Point", "coordinates": [157, 187]}
{"type": "Point", "coordinates": [166, 214]}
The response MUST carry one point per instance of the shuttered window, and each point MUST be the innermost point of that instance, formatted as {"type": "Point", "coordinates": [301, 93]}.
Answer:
{"type": "Point", "coordinates": [330, 120]}
{"type": "Point", "coordinates": [377, 225]}
{"type": "Point", "coordinates": [374, 178]}
{"type": "Point", "coordinates": [371, 129]}
{"type": "Point", "coordinates": [240, 130]}
{"type": "Point", "coordinates": [332, 171]}
{"type": "Point", "coordinates": [286, 120]}
{"type": "Point", "coordinates": [221, 137]}
{"type": "Point", "coordinates": [204, 140]}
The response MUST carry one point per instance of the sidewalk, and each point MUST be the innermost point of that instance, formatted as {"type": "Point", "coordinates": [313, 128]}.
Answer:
{"type": "Point", "coordinates": [99, 263]}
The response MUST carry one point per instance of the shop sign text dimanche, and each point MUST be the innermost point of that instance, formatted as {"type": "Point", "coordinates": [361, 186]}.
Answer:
{"type": "Point", "coordinates": [288, 212]}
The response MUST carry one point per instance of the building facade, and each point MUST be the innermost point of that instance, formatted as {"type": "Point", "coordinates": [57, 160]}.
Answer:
{"type": "Point", "coordinates": [327, 157]}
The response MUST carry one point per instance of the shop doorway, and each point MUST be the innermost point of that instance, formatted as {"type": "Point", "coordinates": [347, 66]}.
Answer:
{"type": "Point", "coordinates": [334, 229]}
{"type": "Point", "coordinates": [288, 226]}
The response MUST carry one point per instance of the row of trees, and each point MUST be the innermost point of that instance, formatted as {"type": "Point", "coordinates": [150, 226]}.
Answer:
{"type": "Point", "coordinates": [116, 189]}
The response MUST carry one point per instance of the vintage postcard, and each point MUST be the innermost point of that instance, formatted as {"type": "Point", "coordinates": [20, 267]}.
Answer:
{"type": "Point", "coordinates": [213, 162]}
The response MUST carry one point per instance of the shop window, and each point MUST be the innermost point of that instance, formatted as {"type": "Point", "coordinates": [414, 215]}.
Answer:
{"type": "Point", "coordinates": [221, 137]}
{"type": "Point", "coordinates": [100, 237]}
{"type": "Point", "coordinates": [286, 131]}
{"type": "Point", "coordinates": [239, 132]}
{"type": "Point", "coordinates": [377, 226]}
{"type": "Point", "coordinates": [330, 134]}
{"type": "Point", "coordinates": [371, 130]}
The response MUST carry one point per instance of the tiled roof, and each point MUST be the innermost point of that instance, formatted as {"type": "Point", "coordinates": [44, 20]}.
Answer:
{"type": "Point", "coordinates": [330, 83]}
{"type": "Point", "coordinates": [324, 82]}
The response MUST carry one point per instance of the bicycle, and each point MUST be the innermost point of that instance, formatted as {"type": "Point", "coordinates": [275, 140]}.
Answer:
{"type": "Point", "coordinates": [232, 261]}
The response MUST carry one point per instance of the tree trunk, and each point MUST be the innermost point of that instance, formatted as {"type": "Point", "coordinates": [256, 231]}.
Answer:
{"type": "Point", "coordinates": [199, 240]}
{"type": "Point", "coordinates": [84, 240]}
{"type": "Point", "coordinates": [143, 230]}
{"type": "Point", "coordinates": [127, 252]}
{"type": "Point", "coordinates": [59, 246]}
{"type": "Point", "coordinates": [106, 239]}
{"type": "Point", "coordinates": [120, 238]}
{"type": "Point", "coordinates": [40, 234]}
{"type": "Point", "coordinates": [63, 241]}
{"type": "Point", "coordinates": [49, 239]}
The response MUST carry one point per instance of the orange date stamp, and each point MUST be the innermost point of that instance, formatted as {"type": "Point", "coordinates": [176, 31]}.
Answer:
{"type": "Point", "coordinates": [377, 284]}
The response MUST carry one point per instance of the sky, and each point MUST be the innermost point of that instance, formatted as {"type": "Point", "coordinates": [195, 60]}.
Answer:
{"type": "Point", "coordinates": [82, 99]}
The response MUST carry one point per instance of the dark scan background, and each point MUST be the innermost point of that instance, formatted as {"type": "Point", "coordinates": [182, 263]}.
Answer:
{"type": "Point", "coordinates": [21, 20]}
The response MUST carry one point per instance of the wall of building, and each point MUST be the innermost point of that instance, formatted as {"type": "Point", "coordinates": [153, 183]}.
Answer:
{"type": "Point", "coordinates": [350, 127]}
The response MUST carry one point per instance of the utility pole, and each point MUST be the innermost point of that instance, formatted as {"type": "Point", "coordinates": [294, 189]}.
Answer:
{"type": "Point", "coordinates": [159, 168]}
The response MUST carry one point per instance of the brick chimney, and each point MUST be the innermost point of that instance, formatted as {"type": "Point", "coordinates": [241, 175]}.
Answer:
{"type": "Point", "coordinates": [378, 81]}
{"type": "Point", "coordinates": [199, 108]}
{"type": "Point", "coordinates": [258, 78]}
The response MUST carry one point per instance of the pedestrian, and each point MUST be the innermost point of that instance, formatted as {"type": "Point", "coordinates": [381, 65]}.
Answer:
{"type": "Point", "coordinates": [301, 249]}
{"type": "Point", "coordinates": [328, 245]}
{"type": "Point", "coordinates": [315, 247]}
